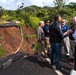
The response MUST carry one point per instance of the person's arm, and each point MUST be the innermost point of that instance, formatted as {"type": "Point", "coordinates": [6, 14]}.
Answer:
{"type": "Point", "coordinates": [68, 32]}
{"type": "Point", "coordinates": [46, 29]}
{"type": "Point", "coordinates": [38, 35]}
{"type": "Point", "coordinates": [71, 30]}
{"type": "Point", "coordinates": [59, 31]}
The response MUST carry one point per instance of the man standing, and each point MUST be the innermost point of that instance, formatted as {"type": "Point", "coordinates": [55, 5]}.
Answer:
{"type": "Point", "coordinates": [56, 36]}
{"type": "Point", "coordinates": [66, 41]}
{"type": "Point", "coordinates": [40, 40]}
{"type": "Point", "coordinates": [73, 30]}
{"type": "Point", "coordinates": [47, 42]}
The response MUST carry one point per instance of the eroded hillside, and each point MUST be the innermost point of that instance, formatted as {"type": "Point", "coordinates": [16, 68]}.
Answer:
{"type": "Point", "coordinates": [10, 39]}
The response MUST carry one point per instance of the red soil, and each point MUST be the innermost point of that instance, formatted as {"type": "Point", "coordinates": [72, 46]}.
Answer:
{"type": "Point", "coordinates": [11, 39]}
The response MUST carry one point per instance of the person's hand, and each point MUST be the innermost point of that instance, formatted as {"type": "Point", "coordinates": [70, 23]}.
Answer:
{"type": "Point", "coordinates": [68, 32]}
{"type": "Point", "coordinates": [48, 31]}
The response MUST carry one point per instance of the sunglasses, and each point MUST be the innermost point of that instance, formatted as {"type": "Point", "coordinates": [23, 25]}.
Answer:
{"type": "Point", "coordinates": [47, 22]}
{"type": "Point", "coordinates": [63, 21]}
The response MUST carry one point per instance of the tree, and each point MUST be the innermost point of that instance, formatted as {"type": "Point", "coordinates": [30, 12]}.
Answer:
{"type": "Point", "coordinates": [1, 11]}
{"type": "Point", "coordinates": [72, 5]}
{"type": "Point", "coordinates": [59, 3]}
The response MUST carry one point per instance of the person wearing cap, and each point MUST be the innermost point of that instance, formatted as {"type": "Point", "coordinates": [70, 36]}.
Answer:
{"type": "Point", "coordinates": [40, 40]}
{"type": "Point", "coordinates": [56, 36]}
{"type": "Point", "coordinates": [66, 41]}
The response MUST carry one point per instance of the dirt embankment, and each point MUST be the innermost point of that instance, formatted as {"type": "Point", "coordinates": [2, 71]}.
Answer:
{"type": "Point", "coordinates": [10, 39]}
{"type": "Point", "coordinates": [29, 32]}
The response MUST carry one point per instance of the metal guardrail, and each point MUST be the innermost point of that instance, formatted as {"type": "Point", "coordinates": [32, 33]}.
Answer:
{"type": "Point", "coordinates": [8, 24]}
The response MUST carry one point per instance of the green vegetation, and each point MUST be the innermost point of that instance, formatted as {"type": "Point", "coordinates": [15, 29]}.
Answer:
{"type": "Point", "coordinates": [29, 36]}
{"type": "Point", "coordinates": [1, 51]}
{"type": "Point", "coordinates": [1, 22]}
{"type": "Point", "coordinates": [30, 16]}
{"type": "Point", "coordinates": [36, 47]}
{"type": "Point", "coordinates": [34, 22]}
{"type": "Point", "coordinates": [1, 37]}
{"type": "Point", "coordinates": [32, 36]}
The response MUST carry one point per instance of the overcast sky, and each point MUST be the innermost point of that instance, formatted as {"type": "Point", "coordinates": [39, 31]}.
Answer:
{"type": "Point", "coordinates": [13, 4]}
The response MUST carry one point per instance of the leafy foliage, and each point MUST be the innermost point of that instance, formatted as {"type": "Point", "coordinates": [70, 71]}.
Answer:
{"type": "Point", "coordinates": [1, 51]}
{"type": "Point", "coordinates": [36, 47]}
{"type": "Point", "coordinates": [1, 11]}
{"type": "Point", "coordinates": [34, 22]}
{"type": "Point", "coordinates": [30, 16]}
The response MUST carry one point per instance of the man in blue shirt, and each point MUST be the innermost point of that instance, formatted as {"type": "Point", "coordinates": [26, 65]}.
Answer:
{"type": "Point", "coordinates": [46, 31]}
{"type": "Point", "coordinates": [66, 41]}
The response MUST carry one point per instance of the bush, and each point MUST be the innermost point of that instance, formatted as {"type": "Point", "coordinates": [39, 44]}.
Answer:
{"type": "Point", "coordinates": [25, 17]}
{"type": "Point", "coordinates": [1, 51]}
{"type": "Point", "coordinates": [36, 47]}
{"type": "Point", "coordinates": [34, 22]}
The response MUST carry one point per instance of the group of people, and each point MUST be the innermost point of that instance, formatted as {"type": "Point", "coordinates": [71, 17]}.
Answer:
{"type": "Point", "coordinates": [53, 36]}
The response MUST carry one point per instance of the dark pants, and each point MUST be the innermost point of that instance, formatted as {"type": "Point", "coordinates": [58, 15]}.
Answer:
{"type": "Point", "coordinates": [75, 58]}
{"type": "Point", "coordinates": [55, 51]}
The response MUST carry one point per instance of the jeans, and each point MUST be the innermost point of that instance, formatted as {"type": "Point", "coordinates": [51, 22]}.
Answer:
{"type": "Point", "coordinates": [75, 58]}
{"type": "Point", "coordinates": [55, 51]}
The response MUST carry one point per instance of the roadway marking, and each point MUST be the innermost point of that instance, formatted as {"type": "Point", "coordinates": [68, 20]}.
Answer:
{"type": "Point", "coordinates": [57, 71]}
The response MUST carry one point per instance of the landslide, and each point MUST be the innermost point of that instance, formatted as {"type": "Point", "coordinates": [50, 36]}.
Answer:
{"type": "Point", "coordinates": [10, 39]}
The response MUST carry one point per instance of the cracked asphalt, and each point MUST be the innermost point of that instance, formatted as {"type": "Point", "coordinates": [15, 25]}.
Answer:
{"type": "Point", "coordinates": [31, 66]}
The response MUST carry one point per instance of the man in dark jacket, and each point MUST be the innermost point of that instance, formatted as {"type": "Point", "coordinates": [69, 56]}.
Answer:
{"type": "Point", "coordinates": [56, 36]}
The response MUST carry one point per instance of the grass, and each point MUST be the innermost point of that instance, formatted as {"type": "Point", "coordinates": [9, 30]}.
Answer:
{"type": "Point", "coordinates": [36, 47]}
{"type": "Point", "coordinates": [1, 37]}
{"type": "Point", "coordinates": [1, 51]}
{"type": "Point", "coordinates": [30, 36]}
{"type": "Point", "coordinates": [1, 22]}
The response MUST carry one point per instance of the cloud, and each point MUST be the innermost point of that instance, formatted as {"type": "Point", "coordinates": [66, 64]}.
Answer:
{"type": "Point", "coordinates": [13, 4]}
{"type": "Point", "coordinates": [38, 2]}
{"type": "Point", "coordinates": [72, 0]}
{"type": "Point", "coordinates": [4, 1]}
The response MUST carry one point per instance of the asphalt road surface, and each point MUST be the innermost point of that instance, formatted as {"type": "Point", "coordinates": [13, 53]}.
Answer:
{"type": "Point", "coordinates": [31, 66]}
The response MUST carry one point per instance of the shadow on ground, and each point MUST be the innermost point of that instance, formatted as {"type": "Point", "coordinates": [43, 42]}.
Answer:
{"type": "Point", "coordinates": [28, 66]}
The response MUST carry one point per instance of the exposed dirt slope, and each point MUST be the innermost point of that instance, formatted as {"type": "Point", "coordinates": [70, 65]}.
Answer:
{"type": "Point", "coordinates": [29, 31]}
{"type": "Point", "coordinates": [10, 39]}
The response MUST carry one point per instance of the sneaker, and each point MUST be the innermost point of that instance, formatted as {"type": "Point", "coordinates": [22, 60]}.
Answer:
{"type": "Point", "coordinates": [67, 54]}
{"type": "Point", "coordinates": [53, 66]}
